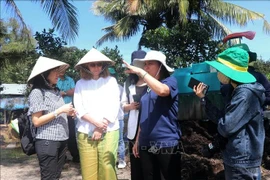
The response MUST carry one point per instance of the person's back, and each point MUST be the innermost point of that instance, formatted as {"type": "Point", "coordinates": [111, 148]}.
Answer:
{"type": "Point", "coordinates": [226, 89]}
{"type": "Point", "coordinates": [245, 111]}
{"type": "Point", "coordinates": [263, 81]}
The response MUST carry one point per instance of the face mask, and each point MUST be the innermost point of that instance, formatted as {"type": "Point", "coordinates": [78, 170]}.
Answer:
{"type": "Point", "coordinates": [222, 78]}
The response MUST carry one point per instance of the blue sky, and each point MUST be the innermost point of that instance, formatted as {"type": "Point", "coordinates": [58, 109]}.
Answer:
{"type": "Point", "coordinates": [91, 25]}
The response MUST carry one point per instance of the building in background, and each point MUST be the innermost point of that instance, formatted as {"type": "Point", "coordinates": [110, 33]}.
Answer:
{"type": "Point", "coordinates": [12, 101]}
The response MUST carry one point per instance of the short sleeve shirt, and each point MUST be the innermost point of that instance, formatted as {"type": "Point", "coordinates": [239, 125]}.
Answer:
{"type": "Point", "coordinates": [64, 85]}
{"type": "Point", "coordinates": [158, 119]}
{"type": "Point", "coordinates": [47, 102]}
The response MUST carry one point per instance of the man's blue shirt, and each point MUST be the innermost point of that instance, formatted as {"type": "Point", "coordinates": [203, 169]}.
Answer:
{"type": "Point", "coordinates": [64, 85]}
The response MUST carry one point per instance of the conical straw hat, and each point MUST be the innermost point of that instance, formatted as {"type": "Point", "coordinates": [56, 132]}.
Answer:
{"type": "Point", "coordinates": [94, 56]}
{"type": "Point", "coordinates": [44, 64]}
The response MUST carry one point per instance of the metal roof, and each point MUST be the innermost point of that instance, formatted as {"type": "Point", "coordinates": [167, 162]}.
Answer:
{"type": "Point", "coordinates": [13, 89]}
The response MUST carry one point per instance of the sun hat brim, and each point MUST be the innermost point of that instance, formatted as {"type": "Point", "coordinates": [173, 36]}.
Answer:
{"type": "Point", "coordinates": [238, 76]}
{"type": "Point", "coordinates": [140, 63]}
{"type": "Point", "coordinates": [44, 64]}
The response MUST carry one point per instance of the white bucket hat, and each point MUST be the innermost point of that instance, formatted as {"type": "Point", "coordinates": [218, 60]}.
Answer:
{"type": "Point", "coordinates": [94, 56]}
{"type": "Point", "coordinates": [153, 55]}
{"type": "Point", "coordinates": [44, 64]}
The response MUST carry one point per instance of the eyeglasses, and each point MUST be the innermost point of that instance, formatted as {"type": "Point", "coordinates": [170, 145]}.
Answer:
{"type": "Point", "coordinates": [99, 64]}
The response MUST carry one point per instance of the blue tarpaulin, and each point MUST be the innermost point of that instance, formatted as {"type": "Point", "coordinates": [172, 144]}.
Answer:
{"type": "Point", "coordinates": [189, 104]}
{"type": "Point", "coordinates": [199, 71]}
{"type": "Point", "coordinates": [13, 103]}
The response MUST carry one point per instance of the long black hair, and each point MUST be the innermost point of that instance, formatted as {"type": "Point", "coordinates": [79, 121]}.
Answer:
{"type": "Point", "coordinates": [164, 73]}
{"type": "Point", "coordinates": [133, 78]}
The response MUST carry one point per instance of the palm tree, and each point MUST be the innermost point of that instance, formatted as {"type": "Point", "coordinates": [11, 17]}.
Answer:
{"type": "Point", "coordinates": [61, 12]}
{"type": "Point", "coordinates": [126, 24]}
{"type": "Point", "coordinates": [16, 44]}
{"type": "Point", "coordinates": [128, 16]}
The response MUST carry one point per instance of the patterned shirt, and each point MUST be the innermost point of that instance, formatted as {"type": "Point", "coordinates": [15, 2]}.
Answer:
{"type": "Point", "coordinates": [64, 85]}
{"type": "Point", "coordinates": [57, 129]}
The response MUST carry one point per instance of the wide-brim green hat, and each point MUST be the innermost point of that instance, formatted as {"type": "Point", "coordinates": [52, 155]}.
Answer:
{"type": "Point", "coordinates": [233, 63]}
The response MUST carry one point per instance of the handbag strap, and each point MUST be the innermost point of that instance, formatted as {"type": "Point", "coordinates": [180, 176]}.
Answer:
{"type": "Point", "coordinates": [43, 95]}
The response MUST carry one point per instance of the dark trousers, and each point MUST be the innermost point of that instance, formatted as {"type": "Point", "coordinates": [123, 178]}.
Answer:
{"type": "Point", "coordinates": [51, 156]}
{"type": "Point", "coordinates": [161, 164]}
{"type": "Point", "coordinates": [135, 164]}
{"type": "Point", "coordinates": [237, 173]}
{"type": "Point", "coordinates": [72, 142]}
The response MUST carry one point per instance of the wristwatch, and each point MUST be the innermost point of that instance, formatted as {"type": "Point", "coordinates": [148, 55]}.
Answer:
{"type": "Point", "coordinates": [55, 114]}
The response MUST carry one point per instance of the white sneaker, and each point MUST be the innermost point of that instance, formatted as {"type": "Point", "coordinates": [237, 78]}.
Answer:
{"type": "Point", "coordinates": [121, 164]}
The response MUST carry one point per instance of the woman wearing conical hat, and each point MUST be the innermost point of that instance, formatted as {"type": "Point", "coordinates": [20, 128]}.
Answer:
{"type": "Point", "coordinates": [48, 113]}
{"type": "Point", "coordinates": [96, 99]}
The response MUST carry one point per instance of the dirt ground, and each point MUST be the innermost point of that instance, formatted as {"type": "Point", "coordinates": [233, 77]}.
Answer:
{"type": "Point", "coordinates": [194, 165]}
{"type": "Point", "coordinates": [17, 166]}
{"type": "Point", "coordinates": [29, 169]}
{"type": "Point", "coordinates": [197, 134]}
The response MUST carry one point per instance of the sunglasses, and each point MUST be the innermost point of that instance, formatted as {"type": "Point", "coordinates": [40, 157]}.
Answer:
{"type": "Point", "coordinates": [99, 64]}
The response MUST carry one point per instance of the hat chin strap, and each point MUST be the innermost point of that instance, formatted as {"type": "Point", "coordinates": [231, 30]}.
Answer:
{"type": "Point", "coordinates": [85, 70]}
{"type": "Point", "coordinates": [46, 82]}
{"type": "Point", "coordinates": [103, 69]}
{"type": "Point", "coordinates": [158, 70]}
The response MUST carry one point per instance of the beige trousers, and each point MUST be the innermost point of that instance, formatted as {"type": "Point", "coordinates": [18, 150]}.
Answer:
{"type": "Point", "coordinates": [98, 158]}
